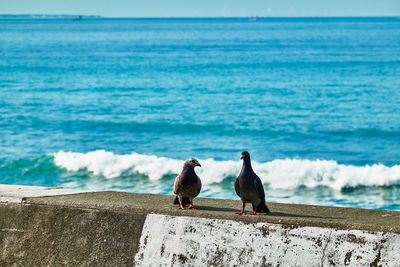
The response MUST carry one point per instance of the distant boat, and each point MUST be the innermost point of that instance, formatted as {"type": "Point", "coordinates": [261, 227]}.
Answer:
{"type": "Point", "coordinates": [253, 18]}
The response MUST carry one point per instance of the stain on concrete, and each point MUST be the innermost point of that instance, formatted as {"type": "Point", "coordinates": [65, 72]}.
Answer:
{"type": "Point", "coordinates": [353, 238]}
{"type": "Point", "coordinates": [347, 258]}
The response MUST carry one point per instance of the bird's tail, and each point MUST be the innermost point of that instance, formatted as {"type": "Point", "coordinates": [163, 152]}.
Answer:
{"type": "Point", "coordinates": [185, 201]}
{"type": "Point", "coordinates": [262, 207]}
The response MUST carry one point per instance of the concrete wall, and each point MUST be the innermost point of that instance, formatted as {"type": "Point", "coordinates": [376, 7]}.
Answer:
{"type": "Point", "coordinates": [37, 235]}
{"type": "Point", "coordinates": [121, 229]}
{"type": "Point", "coordinates": [187, 241]}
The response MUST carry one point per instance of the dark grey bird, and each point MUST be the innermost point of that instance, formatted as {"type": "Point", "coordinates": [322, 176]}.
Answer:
{"type": "Point", "coordinates": [187, 185]}
{"type": "Point", "coordinates": [249, 188]}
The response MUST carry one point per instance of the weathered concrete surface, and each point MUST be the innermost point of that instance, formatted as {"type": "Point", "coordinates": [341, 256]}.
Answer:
{"type": "Point", "coordinates": [288, 214]}
{"type": "Point", "coordinates": [189, 241]}
{"type": "Point", "coordinates": [18, 193]}
{"type": "Point", "coordinates": [52, 235]}
{"type": "Point", "coordinates": [104, 228]}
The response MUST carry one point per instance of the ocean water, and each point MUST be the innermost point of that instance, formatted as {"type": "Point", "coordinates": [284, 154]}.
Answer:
{"type": "Point", "coordinates": [119, 104]}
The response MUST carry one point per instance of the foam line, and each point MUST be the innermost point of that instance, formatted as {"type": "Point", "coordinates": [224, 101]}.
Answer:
{"type": "Point", "coordinates": [279, 173]}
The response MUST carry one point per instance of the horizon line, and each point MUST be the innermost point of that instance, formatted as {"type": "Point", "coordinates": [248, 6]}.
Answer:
{"type": "Point", "coordinates": [199, 17]}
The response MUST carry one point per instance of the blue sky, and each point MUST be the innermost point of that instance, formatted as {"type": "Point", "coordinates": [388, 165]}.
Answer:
{"type": "Point", "coordinates": [204, 8]}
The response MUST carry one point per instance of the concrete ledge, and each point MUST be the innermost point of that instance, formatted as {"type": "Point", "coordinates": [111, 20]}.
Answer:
{"type": "Point", "coordinates": [18, 193]}
{"type": "Point", "coordinates": [288, 214]}
{"type": "Point", "coordinates": [109, 229]}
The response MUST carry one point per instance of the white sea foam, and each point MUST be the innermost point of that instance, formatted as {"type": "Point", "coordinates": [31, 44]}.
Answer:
{"type": "Point", "coordinates": [281, 173]}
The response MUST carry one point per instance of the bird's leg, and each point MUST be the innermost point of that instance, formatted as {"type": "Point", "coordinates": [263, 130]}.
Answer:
{"type": "Point", "coordinates": [180, 203]}
{"type": "Point", "coordinates": [191, 206]}
{"type": "Point", "coordinates": [254, 212]}
{"type": "Point", "coordinates": [242, 211]}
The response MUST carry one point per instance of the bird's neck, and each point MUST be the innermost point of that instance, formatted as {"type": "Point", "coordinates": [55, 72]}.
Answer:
{"type": "Point", "coordinates": [246, 167]}
{"type": "Point", "coordinates": [188, 172]}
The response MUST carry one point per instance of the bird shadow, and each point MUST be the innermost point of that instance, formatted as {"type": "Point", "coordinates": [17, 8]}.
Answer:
{"type": "Point", "coordinates": [274, 214]}
{"type": "Point", "coordinates": [216, 209]}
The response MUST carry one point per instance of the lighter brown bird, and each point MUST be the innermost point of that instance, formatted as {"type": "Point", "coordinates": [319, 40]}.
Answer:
{"type": "Point", "coordinates": [187, 184]}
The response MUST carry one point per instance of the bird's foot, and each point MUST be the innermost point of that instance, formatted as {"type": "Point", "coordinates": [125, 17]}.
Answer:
{"type": "Point", "coordinates": [181, 207]}
{"type": "Point", "coordinates": [240, 213]}
{"type": "Point", "coordinates": [254, 213]}
{"type": "Point", "coordinates": [191, 206]}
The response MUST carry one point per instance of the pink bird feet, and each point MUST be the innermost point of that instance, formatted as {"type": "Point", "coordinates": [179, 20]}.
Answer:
{"type": "Point", "coordinates": [191, 206]}
{"type": "Point", "coordinates": [242, 212]}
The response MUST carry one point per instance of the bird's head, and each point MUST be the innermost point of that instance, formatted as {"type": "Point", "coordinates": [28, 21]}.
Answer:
{"type": "Point", "coordinates": [192, 162]}
{"type": "Point", "coordinates": [245, 155]}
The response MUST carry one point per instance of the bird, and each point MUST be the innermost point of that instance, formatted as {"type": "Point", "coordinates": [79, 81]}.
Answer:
{"type": "Point", "coordinates": [187, 184]}
{"type": "Point", "coordinates": [249, 188]}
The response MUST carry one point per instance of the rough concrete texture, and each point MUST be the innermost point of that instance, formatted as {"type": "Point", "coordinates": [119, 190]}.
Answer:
{"type": "Point", "coordinates": [187, 241]}
{"type": "Point", "coordinates": [41, 235]}
{"type": "Point", "coordinates": [18, 193]}
{"type": "Point", "coordinates": [288, 214]}
{"type": "Point", "coordinates": [104, 228]}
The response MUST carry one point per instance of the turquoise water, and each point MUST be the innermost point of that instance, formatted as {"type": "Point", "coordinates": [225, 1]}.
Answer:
{"type": "Point", "coordinates": [120, 103]}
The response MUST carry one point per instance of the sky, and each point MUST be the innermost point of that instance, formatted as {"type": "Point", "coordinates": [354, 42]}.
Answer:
{"type": "Point", "coordinates": [204, 8]}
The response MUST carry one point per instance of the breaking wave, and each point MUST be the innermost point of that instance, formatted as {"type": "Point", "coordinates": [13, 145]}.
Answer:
{"type": "Point", "coordinates": [279, 173]}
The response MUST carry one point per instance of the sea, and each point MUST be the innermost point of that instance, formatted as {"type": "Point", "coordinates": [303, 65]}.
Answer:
{"type": "Point", "coordinates": [120, 104]}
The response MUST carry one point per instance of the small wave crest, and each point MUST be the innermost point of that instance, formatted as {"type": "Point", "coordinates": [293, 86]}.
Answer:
{"type": "Point", "coordinates": [279, 174]}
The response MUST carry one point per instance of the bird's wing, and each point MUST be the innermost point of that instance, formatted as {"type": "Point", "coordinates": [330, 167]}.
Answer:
{"type": "Point", "coordinates": [259, 187]}
{"type": "Point", "coordinates": [237, 187]}
{"type": "Point", "coordinates": [176, 185]}
{"type": "Point", "coordinates": [198, 185]}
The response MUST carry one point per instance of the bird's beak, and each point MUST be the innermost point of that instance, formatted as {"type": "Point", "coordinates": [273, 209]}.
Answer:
{"type": "Point", "coordinates": [198, 164]}
{"type": "Point", "coordinates": [242, 157]}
